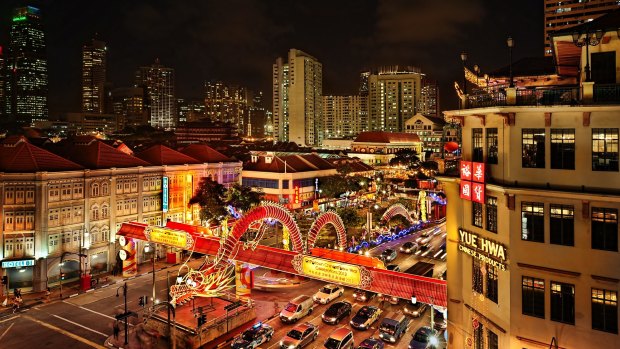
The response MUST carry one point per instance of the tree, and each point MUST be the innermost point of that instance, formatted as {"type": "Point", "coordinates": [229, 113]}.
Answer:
{"type": "Point", "coordinates": [243, 198]}
{"type": "Point", "coordinates": [405, 157]}
{"type": "Point", "coordinates": [333, 186]}
{"type": "Point", "coordinates": [211, 197]}
{"type": "Point", "coordinates": [350, 217]}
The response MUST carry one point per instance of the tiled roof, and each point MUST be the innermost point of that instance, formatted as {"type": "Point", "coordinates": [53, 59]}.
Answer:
{"type": "Point", "coordinates": [204, 153]}
{"type": "Point", "coordinates": [261, 165]}
{"type": "Point", "coordinates": [294, 163]}
{"type": "Point", "coordinates": [162, 155]}
{"type": "Point", "coordinates": [354, 164]}
{"type": "Point", "coordinates": [386, 137]}
{"type": "Point", "coordinates": [18, 155]}
{"type": "Point", "coordinates": [94, 154]}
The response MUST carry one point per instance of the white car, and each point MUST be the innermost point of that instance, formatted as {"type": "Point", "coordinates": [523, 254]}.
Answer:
{"type": "Point", "coordinates": [328, 293]}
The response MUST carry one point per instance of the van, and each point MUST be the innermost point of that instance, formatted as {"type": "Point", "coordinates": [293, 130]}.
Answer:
{"type": "Point", "coordinates": [341, 338]}
{"type": "Point", "coordinates": [393, 326]}
{"type": "Point", "coordinates": [297, 308]}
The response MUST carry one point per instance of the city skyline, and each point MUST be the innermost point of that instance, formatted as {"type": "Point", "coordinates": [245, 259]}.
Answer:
{"type": "Point", "coordinates": [373, 35]}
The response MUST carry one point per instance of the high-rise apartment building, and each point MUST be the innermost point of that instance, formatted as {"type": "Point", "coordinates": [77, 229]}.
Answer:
{"type": "Point", "coordinates": [158, 82]}
{"type": "Point", "coordinates": [4, 100]}
{"type": "Point", "coordinates": [429, 98]}
{"type": "Point", "coordinates": [560, 15]}
{"type": "Point", "coordinates": [297, 99]}
{"type": "Point", "coordinates": [27, 66]}
{"type": "Point", "coordinates": [393, 97]}
{"type": "Point", "coordinates": [93, 76]}
{"type": "Point", "coordinates": [226, 103]}
{"type": "Point", "coordinates": [342, 116]}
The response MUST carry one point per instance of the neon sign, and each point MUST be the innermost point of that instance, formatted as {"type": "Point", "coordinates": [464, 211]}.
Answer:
{"type": "Point", "coordinates": [296, 195]}
{"type": "Point", "coordinates": [486, 250]}
{"type": "Point", "coordinates": [164, 194]}
{"type": "Point", "coordinates": [472, 181]}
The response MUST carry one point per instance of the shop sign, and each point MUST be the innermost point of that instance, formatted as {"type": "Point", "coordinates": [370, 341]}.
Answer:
{"type": "Point", "coordinates": [169, 237]}
{"type": "Point", "coordinates": [472, 181]}
{"type": "Point", "coordinates": [336, 272]}
{"type": "Point", "coordinates": [18, 263]}
{"type": "Point", "coordinates": [484, 249]}
{"type": "Point", "coordinates": [296, 194]}
{"type": "Point", "coordinates": [164, 194]}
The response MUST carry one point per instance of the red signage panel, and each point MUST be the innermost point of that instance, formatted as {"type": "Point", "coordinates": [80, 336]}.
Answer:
{"type": "Point", "coordinates": [477, 192]}
{"type": "Point", "coordinates": [466, 170]}
{"type": "Point", "coordinates": [478, 172]}
{"type": "Point", "coordinates": [466, 190]}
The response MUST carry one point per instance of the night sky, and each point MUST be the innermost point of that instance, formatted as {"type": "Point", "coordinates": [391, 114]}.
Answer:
{"type": "Point", "coordinates": [237, 41]}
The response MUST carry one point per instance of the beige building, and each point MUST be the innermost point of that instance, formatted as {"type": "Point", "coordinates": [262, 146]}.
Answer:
{"type": "Point", "coordinates": [377, 148]}
{"type": "Point", "coordinates": [429, 129]}
{"type": "Point", "coordinates": [297, 99]}
{"type": "Point", "coordinates": [342, 116]}
{"type": "Point", "coordinates": [534, 259]}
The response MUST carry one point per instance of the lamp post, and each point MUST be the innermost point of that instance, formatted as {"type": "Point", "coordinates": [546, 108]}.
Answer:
{"type": "Point", "coordinates": [151, 250]}
{"type": "Point", "coordinates": [124, 287]}
{"type": "Point", "coordinates": [510, 43]}
{"type": "Point", "coordinates": [464, 59]}
{"type": "Point", "coordinates": [587, 41]}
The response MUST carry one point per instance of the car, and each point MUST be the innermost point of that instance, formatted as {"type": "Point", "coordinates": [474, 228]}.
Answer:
{"type": "Point", "coordinates": [337, 312]}
{"type": "Point", "coordinates": [440, 321]}
{"type": "Point", "coordinates": [300, 336]}
{"type": "Point", "coordinates": [365, 317]}
{"type": "Point", "coordinates": [297, 308]}
{"type": "Point", "coordinates": [388, 255]}
{"type": "Point", "coordinates": [409, 247]}
{"type": "Point", "coordinates": [393, 267]}
{"type": "Point", "coordinates": [328, 293]}
{"type": "Point", "coordinates": [393, 327]}
{"type": "Point", "coordinates": [425, 233]}
{"type": "Point", "coordinates": [423, 338]}
{"type": "Point", "coordinates": [371, 343]}
{"type": "Point", "coordinates": [363, 295]}
{"type": "Point", "coordinates": [251, 338]}
{"type": "Point", "coordinates": [415, 310]}
{"type": "Point", "coordinates": [390, 299]}
{"type": "Point", "coordinates": [341, 338]}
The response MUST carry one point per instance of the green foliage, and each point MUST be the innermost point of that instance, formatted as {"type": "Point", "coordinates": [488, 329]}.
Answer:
{"type": "Point", "coordinates": [210, 196]}
{"type": "Point", "coordinates": [405, 157]}
{"type": "Point", "coordinates": [350, 217]}
{"type": "Point", "coordinates": [243, 198]}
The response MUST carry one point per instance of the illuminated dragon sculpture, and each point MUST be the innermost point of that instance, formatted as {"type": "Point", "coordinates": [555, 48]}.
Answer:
{"type": "Point", "coordinates": [395, 210]}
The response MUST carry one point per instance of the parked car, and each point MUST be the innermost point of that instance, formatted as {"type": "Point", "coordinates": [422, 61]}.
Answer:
{"type": "Point", "coordinates": [337, 312]}
{"type": "Point", "coordinates": [371, 343]}
{"type": "Point", "coordinates": [415, 310]}
{"type": "Point", "coordinates": [363, 295]}
{"type": "Point", "coordinates": [393, 267]}
{"type": "Point", "coordinates": [365, 317]}
{"type": "Point", "coordinates": [423, 338]}
{"type": "Point", "coordinates": [300, 336]}
{"type": "Point", "coordinates": [390, 299]}
{"type": "Point", "coordinates": [299, 307]}
{"type": "Point", "coordinates": [388, 255]}
{"type": "Point", "coordinates": [328, 293]}
{"type": "Point", "coordinates": [393, 326]}
{"type": "Point", "coordinates": [341, 338]}
{"type": "Point", "coordinates": [253, 337]}
{"type": "Point", "coordinates": [409, 247]}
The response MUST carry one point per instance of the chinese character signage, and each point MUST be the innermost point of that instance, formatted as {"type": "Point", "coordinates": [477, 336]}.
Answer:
{"type": "Point", "coordinates": [296, 195]}
{"type": "Point", "coordinates": [164, 194]}
{"type": "Point", "coordinates": [340, 273]}
{"type": "Point", "coordinates": [472, 181]}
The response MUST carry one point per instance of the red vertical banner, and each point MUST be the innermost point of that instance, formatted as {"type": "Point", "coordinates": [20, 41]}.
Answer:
{"type": "Point", "coordinates": [465, 170]}
{"type": "Point", "coordinates": [465, 190]}
{"type": "Point", "coordinates": [477, 192]}
{"type": "Point", "coordinates": [478, 172]}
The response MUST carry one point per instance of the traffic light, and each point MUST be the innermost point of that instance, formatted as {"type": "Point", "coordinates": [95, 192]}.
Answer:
{"type": "Point", "coordinates": [5, 280]}
{"type": "Point", "coordinates": [202, 319]}
{"type": "Point", "coordinates": [62, 276]}
{"type": "Point", "coordinates": [142, 301]}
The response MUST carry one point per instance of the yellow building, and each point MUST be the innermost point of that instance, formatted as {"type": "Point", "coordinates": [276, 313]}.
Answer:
{"type": "Point", "coordinates": [536, 261]}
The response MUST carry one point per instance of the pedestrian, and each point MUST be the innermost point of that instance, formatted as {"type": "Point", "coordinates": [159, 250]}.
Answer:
{"type": "Point", "coordinates": [116, 330]}
{"type": "Point", "coordinates": [48, 292]}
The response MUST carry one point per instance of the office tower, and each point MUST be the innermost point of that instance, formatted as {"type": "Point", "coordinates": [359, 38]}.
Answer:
{"type": "Point", "coordinates": [256, 125]}
{"type": "Point", "coordinates": [27, 65]}
{"type": "Point", "coordinates": [190, 109]}
{"type": "Point", "coordinates": [560, 15]}
{"type": "Point", "coordinates": [227, 103]}
{"type": "Point", "coordinates": [393, 97]}
{"type": "Point", "coordinates": [297, 99]}
{"type": "Point", "coordinates": [4, 100]}
{"type": "Point", "coordinates": [128, 103]}
{"type": "Point", "coordinates": [429, 98]}
{"type": "Point", "coordinates": [158, 82]}
{"type": "Point", "coordinates": [342, 116]}
{"type": "Point", "coordinates": [93, 76]}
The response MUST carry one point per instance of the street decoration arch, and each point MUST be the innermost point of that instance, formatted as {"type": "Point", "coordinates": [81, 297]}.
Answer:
{"type": "Point", "coordinates": [395, 210]}
{"type": "Point", "coordinates": [329, 217]}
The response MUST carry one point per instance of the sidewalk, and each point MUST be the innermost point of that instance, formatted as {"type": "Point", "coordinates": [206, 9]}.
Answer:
{"type": "Point", "coordinates": [72, 288]}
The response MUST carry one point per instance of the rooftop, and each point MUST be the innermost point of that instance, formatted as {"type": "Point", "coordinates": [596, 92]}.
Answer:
{"type": "Point", "coordinates": [387, 137]}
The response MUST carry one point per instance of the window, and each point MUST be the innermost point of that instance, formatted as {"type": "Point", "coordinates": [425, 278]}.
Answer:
{"type": "Point", "coordinates": [533, 297]}
{"type": "Point", "coordinates": [476, 214]}
{"type": "Point", "coordinates": [477, 280]}
{"type": "Point", "coordinates": [605, 229]}
{"type": "Point", "coordinates": [562, 225]}
{"type": "Point", "coordinates": [605, 310]}
{"type": "Point", "coordinates": [9, 195]}
{"type": "Point", "coordinates": [285, 184]}
{"type": "Point", "coordinates": [260, 182]}
{"type": "Point", "coordinates": [492, 339]}
{"type": "Point", "coordinates": [94, 212]}
{"type": "Point", "coordinates": [478, 337]}
{"type": "Point", "coordinates": [533, 140]}
{"type": "Point", "coordinates": [532, 221]}
{"type": "Point", "coordinates": [492, 144]}
{"type": "Point", "coordinates": [78, 191]}
{"type": "Point", "coordinates": [563, 302]}
{"type": "Point", "coordinates": [563, 148]}
{"type": "Point", "coordinates": [94, 189]}
{"type": "Point", "coordinates": [492, 214]}
{"type": "Point", "coordinates": [492, 284]}
{"type": "Point", "coordinates": [477, 145]}
{"type": "Point", "coordinates": [105, 189]}
{"type": "Point", "coordinates": [604, 149]}
{"type": "Point", "coordinates": [105, 211]}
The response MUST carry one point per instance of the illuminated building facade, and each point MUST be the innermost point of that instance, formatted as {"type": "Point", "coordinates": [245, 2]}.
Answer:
{"type": "Point", "coordinates": [190, 110]}
{"type": "Point", "coordinates": [377, 148]}
{"type": "Point", "coordinates": [560, 15]}
{"type": "Point", "coordinates": [158, 82]}
{"type": "Point", "coordinates": [226, 103]}
{"type": "Point", "coordinates": [128, 104]}
{"type": "Point", "coordinates": [257, 121]}
{"type": "Point", "coordinates": [73, 196]}
{"type": "Point", "coordinates": [342, 116]}
{"type": "Point", "coordinates": [93, 76]}
{"type": "Point", "coordinates": [297, 99]}
{"type": "Point", "coordinates": [393, 97]}
{"type": "Point", "coordinates": [533, 236]}
{"type": "Point", "coordinates": [430, 130]}
{"type": "Point", "coordinates": [429, 98]}
{"type": "Point", "coordinates": [27, 67]}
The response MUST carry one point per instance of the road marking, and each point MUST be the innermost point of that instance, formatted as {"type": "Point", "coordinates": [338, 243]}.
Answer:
{"type": "Point", "coordinates": [94, 312]}
{"type": "Point", "coordinates": [7, 330]}
{"type": "Point", "coordinates": [82, 326]}
{"type": "Point", "coordinates": [11, 318]}
{"type": "Point", "coordinates": [66, 333]}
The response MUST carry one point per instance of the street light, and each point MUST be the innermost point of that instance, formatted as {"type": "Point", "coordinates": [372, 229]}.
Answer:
{"type": "Point", "coordinates": [511, 43]}
{"type": "Point", "coordinates": [124, 287]}
{"type": "Point", "coordinates": [587, 41]}
{"type": "Point", "coordinates": [148, 249]}
{"type": "Point", "coordinates": [464, 59]}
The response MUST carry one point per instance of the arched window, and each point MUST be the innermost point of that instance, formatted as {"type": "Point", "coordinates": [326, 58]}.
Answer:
{"type": "Point", "coordinates": [105, 211]}
{"type": "Point", "coordinates": [105, 189]}
{"type": "Point", "coordinates": [94, 235]}
{"type": "Point", "coordinates": [94, 212]}
{"type": "Point", "coordinates": [94, 189]}
{"type": "Point", "coordinates": [105, 233]}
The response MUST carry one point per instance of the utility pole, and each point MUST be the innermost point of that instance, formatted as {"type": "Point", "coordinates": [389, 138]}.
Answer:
{"type": "Point", "coordinates": [124, 287]}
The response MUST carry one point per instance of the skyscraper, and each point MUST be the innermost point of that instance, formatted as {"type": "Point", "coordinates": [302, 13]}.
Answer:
{"type": "Point", "coordinates": [27, 65]}
{"type": "Point", "coordinates": [342, 116]}
{"type": "Point", "coordinates": [393, 97]}
{"type": "Point", "coordinates": [158, 81]}
{"type": "Point", "coordinates": [429, 98]}
{"type": "Point", "coordinates": [227, 103]}
{"type": "Point", "coordinates": [128, 103]}
{"type": "Point", "coordinates": [297, 99]}
{"type": "Point", "coordinates": [564, 14]}
{"type": "Point", "coordinates": [93, 76]}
